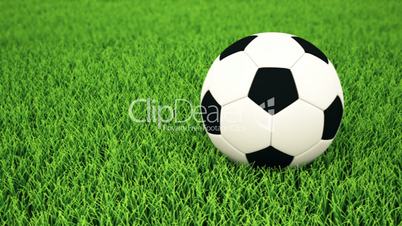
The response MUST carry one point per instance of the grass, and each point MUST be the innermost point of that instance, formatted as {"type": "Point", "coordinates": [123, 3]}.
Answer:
{"type": "Point", "coordinates": [69, 154]}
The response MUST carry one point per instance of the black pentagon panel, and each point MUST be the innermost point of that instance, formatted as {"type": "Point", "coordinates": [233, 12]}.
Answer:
{"type": "Point", "coordinates": [332, 119]}
{"type": "Point", "coordinates": [310, 48]}
{"type": "Point", "coordinates": [269, 157]}
{"type": "Point", "coordinates": [238, 46]}
{"type": "Point", "coordinates": [273, 89]}
{"type": "Point", "coordinates": [211, 113]}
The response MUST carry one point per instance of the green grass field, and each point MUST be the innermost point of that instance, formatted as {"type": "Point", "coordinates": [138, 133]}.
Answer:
{"type": "Point", "coordinates": [69, 153]}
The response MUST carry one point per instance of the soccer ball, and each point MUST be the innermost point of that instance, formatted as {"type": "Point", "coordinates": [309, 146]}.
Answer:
{"type": "Point", "coordinates": [272, 99]}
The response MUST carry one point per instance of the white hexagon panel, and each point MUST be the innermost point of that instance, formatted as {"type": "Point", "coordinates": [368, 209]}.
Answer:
{"type": "Point", "coordinates": [246, 125]}
{"type": "Point", "coordinates": [273, 49]}
{"type": "Point", "coordinates": [337, 83]}
{"type": "Point", "coordinates": [230, 79]}
{"type": "Point", "coordinates": [297, 128]}
{"type": "Point", "coordinates": [311, 154]}
{"type": "Point", "coordinates": [316, 81]}
{"type": "Point", "coordinates": [227, 149]}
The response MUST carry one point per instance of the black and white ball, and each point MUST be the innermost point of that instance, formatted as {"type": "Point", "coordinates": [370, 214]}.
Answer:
{"type": "Point", "coordinates": [272, 99]}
